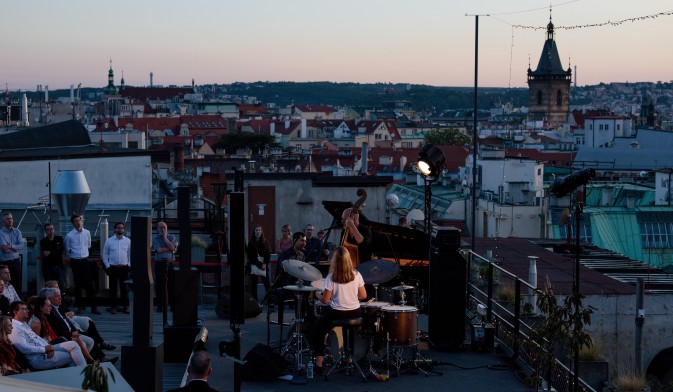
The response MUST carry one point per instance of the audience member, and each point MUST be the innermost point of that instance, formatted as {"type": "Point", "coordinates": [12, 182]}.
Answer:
{"type": "Point", "coordinates": [285, 241]}
{"type": "Point", "coordinates": [52, 256]}
{"type": "Point", "coordinates": [402, 222]}
{"type": "Point", "coordinates": [12, 244]}
{"type": "Point", "coordinates": [117, 261]}
{"type": "Point", "coordinates": [7, 352]}
{"type": "Point", "coordinates": [83, 324]}
{"type": "Point", "coordinates": [4, 302]}
{"type": "Point", "coordinates": [38, 352]}
{"type": "Point", "coordinates": [9, 292]}
{"type": "Point", "coordinates": [259, 255]}
{"type": "Point", "coordinates": [164, 246]}
{"type": "Point", "coordinates": [77, 245]}
{"type": "Point", "coordinates": [313, 245]}
{"type": "Point", "coordinates": [199, 370]}
{"type": "Point", "coordinates": [40, 325]}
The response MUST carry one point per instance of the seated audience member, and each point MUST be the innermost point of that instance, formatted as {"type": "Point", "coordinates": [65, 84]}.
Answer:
{"type": "Point", "coordinates": [4, 302]}
{"type": "Point", "coordinates": [85, 325]}
{"type": "Point", "coordinates": [7, 352]}
{"type": "Point", "coordinates": [39, 324]}
{"type": "Point", "coordinates": [199, 370]}
{"type": "Point", "coordinates": [9, 292]}
{"type": "Point", "coordinates": [38, 352]}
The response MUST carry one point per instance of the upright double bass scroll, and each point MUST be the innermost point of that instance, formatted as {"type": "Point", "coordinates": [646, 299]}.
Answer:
{"type": "Point", "coordinates": [353, 248]}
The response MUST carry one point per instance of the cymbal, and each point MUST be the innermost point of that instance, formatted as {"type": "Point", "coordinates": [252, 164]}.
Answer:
{"type": "Point", "coordinates": [403, 287]}
{"type": "Point", "coordinates": [295, 287]}
{"type": "Point", "coordinates": [301, 270]}
{"type": "Point", "coordinates": [378, 270]}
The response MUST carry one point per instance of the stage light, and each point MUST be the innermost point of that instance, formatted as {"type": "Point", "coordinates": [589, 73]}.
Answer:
{"type": "Point", "coordinates": [430, 161]}
{"type": "Point", "coordinates": [563, 186]}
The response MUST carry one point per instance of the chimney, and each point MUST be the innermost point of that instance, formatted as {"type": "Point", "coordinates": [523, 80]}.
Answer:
{"type": "Point", "coordinates": [303, 129]}
{"type": "Point", "coordinates": [46, 93]}
{"type": "Point", "coordinates": [151, 79]}
{"type": "Point", "coordinates": [365, 156]}
{"type": "Point", "coordinates": [403, 163]}
{"type": "Point", "coordinates": [72, 93]}
{"type": "Point", "coordinates": [71, 194]}
{"type": "Point", "coordinates": [272, 128]}
{"type": "Point", "coordinates": [24, 110]}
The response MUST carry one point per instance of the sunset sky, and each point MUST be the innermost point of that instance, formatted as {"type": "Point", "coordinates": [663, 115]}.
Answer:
{"type": "Point", "coordinates": [59, 43]}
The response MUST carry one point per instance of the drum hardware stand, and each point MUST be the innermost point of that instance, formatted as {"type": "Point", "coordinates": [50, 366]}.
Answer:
{"type": "Point", "coordinates": [297, 340]}
{"type": "Point", "coordinates": [274, 288]}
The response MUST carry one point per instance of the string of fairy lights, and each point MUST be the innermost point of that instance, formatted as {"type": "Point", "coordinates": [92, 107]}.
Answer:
{"type": "Point", "coordinates": [608, 23]}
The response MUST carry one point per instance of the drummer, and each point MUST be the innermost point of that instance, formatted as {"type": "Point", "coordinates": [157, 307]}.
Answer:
{"type": "Point", "coordinates": [344, 288]}
{"type": "Point", "coordinates": [296, 252]}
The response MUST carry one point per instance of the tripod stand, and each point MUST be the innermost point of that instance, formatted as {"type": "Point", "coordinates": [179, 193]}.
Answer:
{"type": "Point", "coordinates": [298, 344]}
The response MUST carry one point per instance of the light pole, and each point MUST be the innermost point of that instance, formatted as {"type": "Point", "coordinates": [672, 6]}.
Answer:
{"type": "Point", "coordinates": [430, 163]}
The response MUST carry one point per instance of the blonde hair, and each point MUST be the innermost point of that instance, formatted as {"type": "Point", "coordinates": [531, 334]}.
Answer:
{"type": "Point", "coordinates": [4, 320]}
{"type": "Point", "coordinates": [342, 266]}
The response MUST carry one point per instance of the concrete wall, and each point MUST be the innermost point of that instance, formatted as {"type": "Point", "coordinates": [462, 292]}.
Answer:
{"type": "Point", "coordinates": [120, 181]}
{"type": "Point", "coordinates": [613, 325]}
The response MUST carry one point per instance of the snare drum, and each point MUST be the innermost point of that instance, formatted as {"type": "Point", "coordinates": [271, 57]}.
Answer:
{"type": "Point", "coordinates": [399, 323]}
{"type": "Point", "coordinates": [370, 316]}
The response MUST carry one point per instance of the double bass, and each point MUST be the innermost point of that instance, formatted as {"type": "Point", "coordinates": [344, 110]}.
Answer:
{"type": "Point", "coordinates": [353, 248]}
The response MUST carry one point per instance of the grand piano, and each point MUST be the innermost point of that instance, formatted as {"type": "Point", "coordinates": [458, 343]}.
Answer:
{"type": "Point", "coordinates": [409, 248]}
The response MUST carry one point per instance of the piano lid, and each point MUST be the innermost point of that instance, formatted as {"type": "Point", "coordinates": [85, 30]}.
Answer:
{"type": "Point", "coordinates": [388, 241]}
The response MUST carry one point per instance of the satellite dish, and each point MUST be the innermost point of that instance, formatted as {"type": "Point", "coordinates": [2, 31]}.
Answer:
{"type": "Point", "coordinates": [416, 215]}
{"type": "Point", "coordinates": [392, 200]}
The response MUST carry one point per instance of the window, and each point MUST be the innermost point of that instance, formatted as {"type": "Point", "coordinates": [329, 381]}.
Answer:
{"type": "Point", "coordinates": [539, 97]}
{"type": "Point", "coordinates": [559, 98]}
{"type": "Point", "coordinates": [656, 235]}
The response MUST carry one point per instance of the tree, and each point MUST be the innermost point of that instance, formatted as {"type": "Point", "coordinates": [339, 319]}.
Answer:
{"type": "Point", "coordinates": [447, 137]}
{"type": "Point", "coordinates": [253, 141]}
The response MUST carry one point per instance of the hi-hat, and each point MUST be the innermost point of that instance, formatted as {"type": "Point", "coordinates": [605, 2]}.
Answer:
{"type": "Point", "coordinates": [378, 270]}
{"type": "Point", "coordinates": [403, 287]}
{"type": "Point", "coordinates": [294, 287]}
{"type": "Point", "coordinates": [301, 270]}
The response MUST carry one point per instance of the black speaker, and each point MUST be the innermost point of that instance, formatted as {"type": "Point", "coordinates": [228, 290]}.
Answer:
{"type": "Point", "coordinates": [237, 257]}
{"type": "Point", "coordinates": [250, 306]}
{"type": "Point", "coordinates": [446, 300]}
{"type": "Point", "coordinates": [263, 364]}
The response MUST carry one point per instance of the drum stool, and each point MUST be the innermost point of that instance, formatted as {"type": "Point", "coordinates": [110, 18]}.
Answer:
{"type": "Point", "coordinates": [348, 328]}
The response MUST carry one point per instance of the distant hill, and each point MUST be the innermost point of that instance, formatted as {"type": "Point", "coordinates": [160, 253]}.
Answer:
{"type": "Point", "coordinates": [422, 97]}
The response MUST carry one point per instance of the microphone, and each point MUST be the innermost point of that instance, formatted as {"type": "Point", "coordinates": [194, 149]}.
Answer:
{"type": "Point", "coordinates": [563, 186]}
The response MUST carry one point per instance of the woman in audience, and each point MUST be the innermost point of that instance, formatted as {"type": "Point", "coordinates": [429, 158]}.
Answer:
{"type": "Point", "coordinates": [39, 324]}
{"type": "Point", "coordinates": [258, 255]}
{"type": "Point", "coordinates": [7, 352]}
{"type": "Point", "coordinates": [285, 241]}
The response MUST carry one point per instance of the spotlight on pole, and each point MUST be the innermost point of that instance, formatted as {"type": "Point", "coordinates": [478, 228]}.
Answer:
{"type": "Point", "coordinates": [430, 164]}
{"type": "Point", "coordinates": [430, 161]}
{"type": "Point", "coordinates": [563, 186]}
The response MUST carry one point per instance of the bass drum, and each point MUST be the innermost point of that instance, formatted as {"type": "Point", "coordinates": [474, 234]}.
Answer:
{"type": "Point", "coordinates": [399, 323]}
{"type": "Point", "coordinates": [335, 344]}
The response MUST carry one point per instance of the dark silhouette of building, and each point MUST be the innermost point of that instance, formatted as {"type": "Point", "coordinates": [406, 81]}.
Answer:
{"type": "Point", "coordinates": [549, 85]}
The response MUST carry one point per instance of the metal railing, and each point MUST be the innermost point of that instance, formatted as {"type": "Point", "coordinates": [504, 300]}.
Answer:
{"type": "Point", "coordinates": [512, 314]}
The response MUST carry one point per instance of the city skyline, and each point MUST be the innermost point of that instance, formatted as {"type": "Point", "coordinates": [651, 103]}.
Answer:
{"type": "Point", "coordinates": [429, 42]}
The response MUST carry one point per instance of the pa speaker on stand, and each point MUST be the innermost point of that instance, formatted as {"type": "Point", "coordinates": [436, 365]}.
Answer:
{"type": "Point", "coordinates": [446, 291]}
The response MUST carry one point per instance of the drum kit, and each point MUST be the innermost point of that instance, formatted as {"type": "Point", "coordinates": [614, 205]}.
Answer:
{"type": "Point", "coordinates": [393, 325]}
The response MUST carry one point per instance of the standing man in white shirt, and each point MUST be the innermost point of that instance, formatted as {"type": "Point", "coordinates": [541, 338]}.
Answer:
{"type": "Point", "coordinates": [77, 245]}
{"type": "Point", "coordinates": [11, 244]}
{"type": "Point", "coordinates": [38, 352]}
{"type": "Point", "coordinates": [117, 261]}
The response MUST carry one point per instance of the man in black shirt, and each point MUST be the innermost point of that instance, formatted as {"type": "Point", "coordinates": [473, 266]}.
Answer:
{"type": "Point", "coordinates": [52, 256]}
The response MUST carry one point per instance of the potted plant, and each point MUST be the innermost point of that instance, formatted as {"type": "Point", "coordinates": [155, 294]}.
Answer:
{"type": "Point", "coordinates": [592, 368]}
{"type": "Point", "coordinates": [96, 377]}
{"type": "Point", "coordinates": [560, 330]}
{"type": "Point", "coordinates": [198, 249]}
